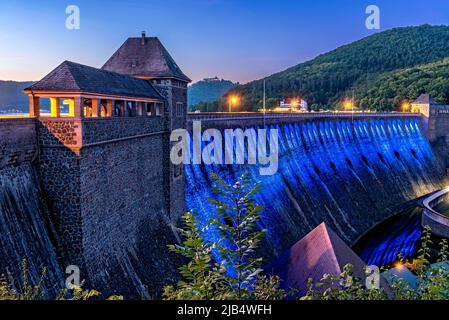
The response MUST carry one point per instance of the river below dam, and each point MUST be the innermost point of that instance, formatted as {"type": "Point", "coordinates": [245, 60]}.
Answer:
{"type": "Point", "coordinates": [396, 236]}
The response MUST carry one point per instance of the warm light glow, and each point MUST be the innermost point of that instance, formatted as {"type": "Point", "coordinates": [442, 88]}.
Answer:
{"type": "Point", "coordinates": [233, 100]}
{"type": "Point", "coordinates": [347, 104]}
{"type": "Point", "coordinates": [399, 265]}
{"type": "Point", "coordinates": [71, 104]}
{"type": "Point", "coordinates": [294, 103]}
{"type": "Point", "coordinates": [405, 106]}
{"type": "Point", "coordinates": [55, 107]}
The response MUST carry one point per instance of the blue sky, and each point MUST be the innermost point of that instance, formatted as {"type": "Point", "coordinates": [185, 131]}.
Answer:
{"type": "Point", "coordinates": [240, 40]}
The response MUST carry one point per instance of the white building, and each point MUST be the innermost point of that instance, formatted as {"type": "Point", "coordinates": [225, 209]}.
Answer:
{"type": "Point", "coordinates": [294, 104]}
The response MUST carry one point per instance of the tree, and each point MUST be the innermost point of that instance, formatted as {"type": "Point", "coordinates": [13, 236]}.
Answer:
{"type": "Point", "coordinates": [202, 281]}
{"type": "Point", "coordinates": [432, 282]}
{"type": "Point", "coordinates": [236, 273]}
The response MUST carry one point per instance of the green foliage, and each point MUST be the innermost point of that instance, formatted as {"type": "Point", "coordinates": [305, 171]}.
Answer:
{"type": "Point", "coordinates": [238, 275]}
{"type": "Point", "coordinates": [432, 282]}
{"type": "Point", "coordinates": [381, 71]}
{"type": "Point", "coordinates": [236, 220]}
{"type": "Point", "coordinates": [343, 287]}
{"type": "Point", "coordinates": [202, 279]}
{"type": "Point", "coordinates": [389, 90]}
{"type": "Point", "coordinates": [29, 292]}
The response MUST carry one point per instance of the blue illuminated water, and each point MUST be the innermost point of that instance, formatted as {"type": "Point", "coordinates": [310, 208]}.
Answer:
{"type": "Point", "coordinates": [398, 235]}
{"type": "Point", "coordinates": [346, 173]}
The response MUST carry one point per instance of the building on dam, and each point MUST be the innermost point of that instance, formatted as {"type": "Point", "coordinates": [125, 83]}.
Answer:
{"type": "Point", "coordinates": [103, 181]}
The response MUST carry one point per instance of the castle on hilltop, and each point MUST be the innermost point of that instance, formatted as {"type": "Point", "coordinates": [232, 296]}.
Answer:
{"type": "Point", "coordinates": [104, 163]}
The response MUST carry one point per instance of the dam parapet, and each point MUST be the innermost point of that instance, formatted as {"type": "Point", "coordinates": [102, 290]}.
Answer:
{"type": "Point", "coordinates": [241, 119]}
{"type": "Point", "coordinates": [18, 141]}
{"type": "Point", "coordinates": [436, 213]}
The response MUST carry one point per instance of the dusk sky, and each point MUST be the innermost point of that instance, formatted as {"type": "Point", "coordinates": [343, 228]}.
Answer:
{"type": "Point", "coordinates": [240, 40]}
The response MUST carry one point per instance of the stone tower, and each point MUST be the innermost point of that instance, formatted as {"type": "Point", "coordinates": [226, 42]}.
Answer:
{"type": "Point", "coordinates": [104, 162]}
{"type": "Point", "coordinates": [146, 58]}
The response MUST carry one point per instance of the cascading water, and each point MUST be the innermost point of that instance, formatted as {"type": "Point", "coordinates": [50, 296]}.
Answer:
{"type": "Point", "coordinates": [350, 174]}
{"type": "Point", "coordinates": [23, 232]}
{"type": "Point", "coordinates": [397, 236]}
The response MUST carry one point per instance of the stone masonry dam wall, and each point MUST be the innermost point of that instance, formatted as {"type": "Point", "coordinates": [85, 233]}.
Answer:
{"type": "Point", "coordinates": [96, 192]}
{"type": "Point", "coordinates": [91, 193]}
{"type": "Point", "coordinates": [25, 231]}
{"type": "Point", "coordinates": [349, 170]}
{"type": "Point", "coordinates": [110, 195]}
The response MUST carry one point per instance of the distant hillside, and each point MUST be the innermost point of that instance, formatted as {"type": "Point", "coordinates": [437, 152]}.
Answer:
{"type": "Point", "coordinates": [208, 90]}
{"type": "Point", "coordinates": [393, 88]}
{"type": "Point", "coordinates": [381, 70]}
{"type": "Point", "coordinates": [12, 97]}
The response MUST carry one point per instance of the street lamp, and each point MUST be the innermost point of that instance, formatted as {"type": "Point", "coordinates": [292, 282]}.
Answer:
{"type": "Point", "coordinates": [348, 105]}
{"type": "Point", "coordinates": [233, 100]}
{"type": "Point", "coordinates": [405, 106]}
{"type": "Point", "coordinates": [294, 103]}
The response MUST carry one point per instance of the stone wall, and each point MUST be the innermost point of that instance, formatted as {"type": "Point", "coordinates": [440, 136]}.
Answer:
{"type": "Point", "coordinates": [25, 228]}
{"type": "Point", "coordinates": [109, 196]}
{"type": "Point", "coordinates": [173, 93]}
{"type": "Point", "coordinates": [17, 141]}
{"type": "Point", "coordinates": [126, 225]}
{"type": "Point", "coordinates": [435, 213]}
{"type": "Point", "coordinates": [111, 193]}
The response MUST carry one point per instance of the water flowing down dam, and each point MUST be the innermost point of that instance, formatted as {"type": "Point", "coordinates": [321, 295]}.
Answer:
{"type": "Point", "coordinates": [24, 233]}
{"type": "Point", "coordinates": [350, 173]}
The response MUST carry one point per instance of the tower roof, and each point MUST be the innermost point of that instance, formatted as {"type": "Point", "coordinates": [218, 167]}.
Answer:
{"type": "Point", "coordinates": [320, 252]}
{"type": "Point", "coordinates": [70, 76]}
{"type": "Point", "coordinates": [146, 57]}
{"type": "Point", "coordinates": [425, 99]}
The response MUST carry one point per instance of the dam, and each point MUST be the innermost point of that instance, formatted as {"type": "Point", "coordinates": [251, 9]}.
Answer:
{"type": "Point", "coordinates": [350, 171]}
{"type": "Point", "coordinates": [95, 187]}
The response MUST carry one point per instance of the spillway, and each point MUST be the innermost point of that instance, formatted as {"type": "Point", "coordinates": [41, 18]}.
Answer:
{"type": "Point", "coordinates": [24, 233]}
{"type": "Point", "coordinates": [349, 173]}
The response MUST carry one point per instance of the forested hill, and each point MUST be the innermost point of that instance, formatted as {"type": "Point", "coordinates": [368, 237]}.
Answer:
{"type": "Point", "coordinates": [380, 70]}
{"type": "Point", "coordinates": [11, 96]}
{"type": "Point", "coordinates": [208, 90]}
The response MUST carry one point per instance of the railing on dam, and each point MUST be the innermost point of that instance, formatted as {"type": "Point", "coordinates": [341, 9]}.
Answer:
{"type": "Point", "coordinates": [248, 119]}
{"type": "Point", "coordinates": [437, 221]}
{"type": "Point", "coordinates": [301, 115]}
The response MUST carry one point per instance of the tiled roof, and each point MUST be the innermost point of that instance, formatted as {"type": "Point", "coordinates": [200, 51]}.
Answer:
{"type": "Point", "coordinates": [70, 76]}
{"type": "Point", "coordinates": [144, 58]}
{"type": "Point", "coordinates": [425, 99]}
{"type": "Point", "coordinates": [320, 252]}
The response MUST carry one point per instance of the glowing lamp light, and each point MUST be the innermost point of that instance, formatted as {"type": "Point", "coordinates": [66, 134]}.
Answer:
{"type": "Point", "coordinates": [233, 100]}
{"type": "Point", "coordinates": [347, 104]}
{"type": "Point", "coordinates": [295, 103]}
{"type": "Point", "coordinates": [405, 106]}
{"type": "Point", "coordinates": [399, 266]}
